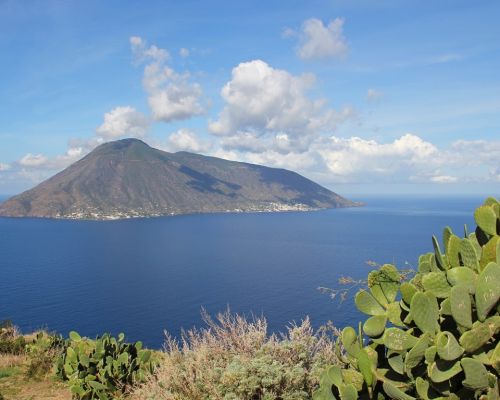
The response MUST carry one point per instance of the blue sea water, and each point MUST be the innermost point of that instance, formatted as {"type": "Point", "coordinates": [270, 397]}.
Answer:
{"type": "Point", "coordinates": [142, 276]}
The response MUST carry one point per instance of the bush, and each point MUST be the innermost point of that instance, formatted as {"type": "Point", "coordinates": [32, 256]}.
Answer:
{"type": "Point", "coordinates": [233, 358]}
{"type": "Point", "coordinates": [11, 342]}
{"type": "Point", "coordinates": [435, 336]}
{"type": "Point", "coordinates": [103, 368]}
{"type": "Point", "coordinates": [42, 353]}
{"type": "Point", "coordinates": [12, 346]}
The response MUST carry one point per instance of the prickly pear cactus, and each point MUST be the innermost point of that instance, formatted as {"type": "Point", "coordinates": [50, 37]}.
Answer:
{"type": "Point", "coordinates": [102, 368]}
{"type": "Point", "coordinates": [435, 336]}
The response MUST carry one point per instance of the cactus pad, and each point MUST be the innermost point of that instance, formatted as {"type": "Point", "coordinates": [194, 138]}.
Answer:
{"type": "Point", "coordinates": [441, 371]}
{"type": "Point", "coordinates": [367, 304]}
{"type": "Point", "coordinates": [468, 253]}
{"type": "Point", "coordinates": [398, 339]}
{"type": "Point", "coordinates": [486, 219]}
{"type": "Point", "coordinates": [476, 375]}
{"type": "Point", "coordinates": [375, 325]}
{"type": "Point", "coordinates": [436, 283]}
{"type": "Point", "coordinates": [417, 352]}
{"type": "Point", "coordinates": [448, 347]}
{"type": "Point", "coordinates": [488, 290]}
{"type": "Point", "coordinates": [461, 307]}
{"type": "Point", "coordinates": [425, 312]}
{"type": "Point", "coordinates": [462, 276]}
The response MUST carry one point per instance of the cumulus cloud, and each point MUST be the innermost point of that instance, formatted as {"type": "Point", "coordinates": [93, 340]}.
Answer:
{"type": "Point", "coordinates": [40, 165]}
{"type": "Point", "coordinates": [476, 152]}
{"type": "Point", "coordinates": [171, 95]}
{"type": "Point", "coordinates": [42, 162]}
{"type": "Point", "coordinates": [356, 156]}
{"type": "Point", "coordinates": [268, 106]}
{"type": "Point", "coordinates": [141, 52]}
{"type": "Point", "coordinates": [443, 179]}
{"type": "Point", "coordinates": [320, 41]}
{"type": "Point", "coordinates": [186, 140]}
{"type": "Point", "coordinates": [183, 52]}
{"type": "Point", "coordinates": [123, 121]}
{"type": "Point", "coordinates": [409, 158]}
{"type": "Point", "coordinates": [33, 160]}
{"type": "Point", "coordinates": [354, 159]}
{"type": "Point", "coordinates": [73, 153]}
{"type": "Point", "coordinates": [4, 167]}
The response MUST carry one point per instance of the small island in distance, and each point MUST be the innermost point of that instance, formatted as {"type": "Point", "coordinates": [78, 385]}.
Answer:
{"type": "Point", "coordinates": [127, 178]}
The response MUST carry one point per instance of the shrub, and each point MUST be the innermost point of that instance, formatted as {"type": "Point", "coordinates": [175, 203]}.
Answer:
{"type": "Point", "coordinates": [11, 341]}
{"type": "Point", "coordinates": [102, 368]}
{"type": "Point", "coordinates": [42, 353]}
{"type": "Point", "coordinates": [435, 336]}
{"type": "Point", "coordinates": [233, 358]}
{"type": "Point", "coordinates": [13, 346]}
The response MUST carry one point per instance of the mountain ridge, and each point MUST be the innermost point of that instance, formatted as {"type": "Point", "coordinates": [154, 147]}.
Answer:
{"type": "Point", "coordinates": [128, 178]}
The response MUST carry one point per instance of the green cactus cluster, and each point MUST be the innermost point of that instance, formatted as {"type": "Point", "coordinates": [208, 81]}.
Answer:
{"type": "Point", "coordinates": [435, 336]}
{"type": "Point", "coordinates": [102, 368]}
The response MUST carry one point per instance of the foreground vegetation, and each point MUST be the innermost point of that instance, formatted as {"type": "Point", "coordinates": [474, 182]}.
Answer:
{"type": "Point", "coordinates": [230, 358]}
{"type": "Point", "coordinates": [233, 358]}
{"type": "Point", "coordinates": [435, 336]}
{"type": "Point", "coordinates": [432, 334]}
{"type": "Point", "coordinates": [25, 365]}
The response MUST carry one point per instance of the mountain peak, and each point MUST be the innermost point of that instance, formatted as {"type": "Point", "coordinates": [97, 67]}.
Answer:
{"type": "Point", "coordinates": [129, 147]}
{"type": "Point", "coordinates": [123, 144]}
{"type": "Point", "coordinates": [128, 178]}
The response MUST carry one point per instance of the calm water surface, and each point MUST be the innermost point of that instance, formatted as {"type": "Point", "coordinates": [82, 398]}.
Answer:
{"type": "Point", "coordinates": [142, 276]}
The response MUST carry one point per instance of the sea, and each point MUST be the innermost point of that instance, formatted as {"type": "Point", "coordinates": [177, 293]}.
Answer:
{"type": "Point", "coordinates": [150, 275]}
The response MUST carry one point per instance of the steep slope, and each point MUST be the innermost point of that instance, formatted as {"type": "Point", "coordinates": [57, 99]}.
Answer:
{"type": "Point", "coordinates": [128, 178]}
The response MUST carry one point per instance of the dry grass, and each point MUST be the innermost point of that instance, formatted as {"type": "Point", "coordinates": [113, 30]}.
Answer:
{"type": "Point", "coordinates": [234, 358]}
{"type": "Point", "coordinates": [15, 385]}
{"type": "Point", "coordinates": [17, 380]}
{"type": "Point", "coordinates": [11, 360]}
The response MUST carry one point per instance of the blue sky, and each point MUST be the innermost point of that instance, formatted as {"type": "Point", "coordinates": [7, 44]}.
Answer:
{"type": "Point", "coordinates": [361, 96]}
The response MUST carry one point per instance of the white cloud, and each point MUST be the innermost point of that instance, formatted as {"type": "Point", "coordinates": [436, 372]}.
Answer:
{"type": "Point", "coordinates": [141, 52]}
{"type": "Point", "coordinates": [33, 160]}
{"type": "Point", "coordinates": [4, 167]}
{"type": "Point", "coordinates": [30, 163]}
{"type": "Point", "coordinates": [374, 94]}
{"type": "Point", "coordinates": [171, 95]}
{"type": "Point", "coordinates": [443, 179]}
{"type": "Point", "coordinates": [72, 154]}
{"type": "Point", "coordinates": [186, 140]}
{"type": "Point", "coordinates": [409, 158]}
{"type": "Point", "coordinates": [42, 162]}
{"type": "Point", "coordinates": [183, 52]}
{"type": "Point", "coordinates": [268, 106]}
{"type": "Point", "coordinates": [354, 157]}
{"type": "Point", "coordinates": [319, 41]}
{"type": "Point", "coordinates": [123, 121]}
{"type": "Point", "coordinates": [476, 152]}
